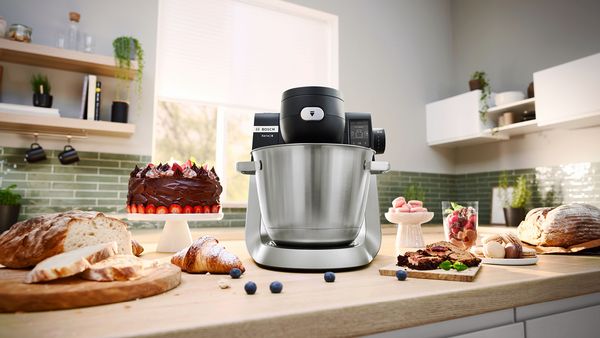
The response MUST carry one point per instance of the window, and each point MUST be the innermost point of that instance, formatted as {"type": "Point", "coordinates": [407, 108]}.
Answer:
{"type": "Point", "coordinates": [221, 61]}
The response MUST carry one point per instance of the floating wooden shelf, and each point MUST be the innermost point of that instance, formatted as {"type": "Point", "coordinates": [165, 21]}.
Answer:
{"type": "Point", "coordinates": [516, 107]}
{"type": "Point", "coordinates": [519, 128]}
{"type": "Point", "coordinates": [468, 140]}
{"type": "Point", "coordinates": [58, 58]}
{"type": "Point", "coordinates": [21, 123]}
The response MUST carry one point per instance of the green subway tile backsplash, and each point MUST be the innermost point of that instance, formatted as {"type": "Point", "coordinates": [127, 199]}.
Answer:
{"type": "Point", "coordinates": [99, 182]}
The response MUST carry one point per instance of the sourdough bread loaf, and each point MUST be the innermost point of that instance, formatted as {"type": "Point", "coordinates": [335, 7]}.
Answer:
{"type": "Point", "coordinates": [71, 262]}
{"type": "Point", "coordinates": [29, 242]}
{"type": "Point", "coordinates": [563, 226]}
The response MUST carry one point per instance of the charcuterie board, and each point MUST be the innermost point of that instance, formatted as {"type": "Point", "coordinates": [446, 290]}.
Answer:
{"type": "Point", "coordinates": [451, 275]}
{"type": "Point", "coordinates": [74, 292]}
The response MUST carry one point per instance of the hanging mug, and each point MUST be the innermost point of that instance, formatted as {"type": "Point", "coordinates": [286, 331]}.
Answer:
{"type": "Point", "coordinates": [68, 155]}
{"type": "Point", "coordinates": [35, 153]}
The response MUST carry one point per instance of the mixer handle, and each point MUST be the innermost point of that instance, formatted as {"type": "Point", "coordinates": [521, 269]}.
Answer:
{"type": "Point", "coordinates": [377, 167]}
{"type": "Point", "coordinates": [249, 167]}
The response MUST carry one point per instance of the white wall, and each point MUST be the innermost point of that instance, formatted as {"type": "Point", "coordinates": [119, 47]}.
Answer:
{"type": "Point", "coordinates": [104, 20]}
{"type": "Point", "coordinates": [510, 40]}
{"type": "Point", "coordinates": [395, 56]}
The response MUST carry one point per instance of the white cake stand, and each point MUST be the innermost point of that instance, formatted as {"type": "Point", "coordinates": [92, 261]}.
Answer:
{"type": "Point", "coordinates": [409, 233]}
{"type": "Point", "coordinates": [176, 231]}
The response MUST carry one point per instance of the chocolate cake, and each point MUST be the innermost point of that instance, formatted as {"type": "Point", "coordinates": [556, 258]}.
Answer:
{"type": "Point", "coordinates": [174, 188]}
{"type": "Point", "coordinates": [436, 253]}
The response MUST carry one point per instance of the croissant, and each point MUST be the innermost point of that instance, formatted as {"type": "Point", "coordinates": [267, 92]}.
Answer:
{"type": "Point", "coordinates": [136, 247]}
{"type": "Point", "coordinates": [206, 255]}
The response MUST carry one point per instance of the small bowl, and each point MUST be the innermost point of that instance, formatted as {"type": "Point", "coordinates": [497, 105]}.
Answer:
{"type": "Point", "coordinates": [508, 97]}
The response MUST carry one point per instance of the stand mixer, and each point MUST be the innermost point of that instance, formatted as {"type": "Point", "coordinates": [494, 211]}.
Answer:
{"type": "Point", "coordinates": [313, 201]}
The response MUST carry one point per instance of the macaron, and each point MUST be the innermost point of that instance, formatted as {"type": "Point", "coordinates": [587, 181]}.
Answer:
{"type": "Point", "coordinates": [398, 202]}
{"type": "Point", "coordinates": [415, 203]}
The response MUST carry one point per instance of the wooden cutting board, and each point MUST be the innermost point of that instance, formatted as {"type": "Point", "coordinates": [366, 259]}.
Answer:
{"type": "Point", "coordinates": [73, 292]}
{"type": "Point", "coordinates": [452, 275]}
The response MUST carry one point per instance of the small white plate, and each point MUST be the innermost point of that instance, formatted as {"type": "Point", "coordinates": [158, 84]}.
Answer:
{"type": "Point", "coordinates": [510, 261]}
{"type": "Point", "coordinates": [174, 217]}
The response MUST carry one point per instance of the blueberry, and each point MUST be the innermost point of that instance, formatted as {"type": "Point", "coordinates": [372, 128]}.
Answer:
{"type": "Point", "coordinates": [401, 275]}
{"type": "Point", "coordinates": [235, 273]}
{"type": "Point", "coordinates": [250, 288]}
{"type": "Point", "coordinates": [329, 277]}
{"type": "Point", "coordinates": [276, 287]}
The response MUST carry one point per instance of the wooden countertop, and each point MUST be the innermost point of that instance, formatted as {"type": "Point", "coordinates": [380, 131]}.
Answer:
{"type": "Point", "coordinates": [359, 302]}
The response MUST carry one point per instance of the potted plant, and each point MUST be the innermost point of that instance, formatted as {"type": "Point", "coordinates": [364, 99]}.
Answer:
{"type": "Point", "coordinates": [41, 91]}
{"type": "Point", "coordinates": [10, 206]}
{"type": "Point", "coordinates": [515, 212]}
{"type": "Point", "coordinates": [126, 49]}
{"type": "Point", "coordinates": [414, 192]}
{"type": "Point", "coordinates": [480, 81]}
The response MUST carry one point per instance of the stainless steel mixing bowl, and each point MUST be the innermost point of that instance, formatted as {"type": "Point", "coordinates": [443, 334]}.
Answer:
{"type": "Point", "coordinates": [312, 194]}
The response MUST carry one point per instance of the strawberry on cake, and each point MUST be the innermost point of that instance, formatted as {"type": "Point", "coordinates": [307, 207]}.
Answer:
{"type": "Point", "coordinates": [174, 189]}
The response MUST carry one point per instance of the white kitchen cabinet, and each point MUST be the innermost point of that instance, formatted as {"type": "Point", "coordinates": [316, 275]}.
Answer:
{"type": "Point", "coordinates": [455, 121]}
{"type": "Point", "coordinates": [459, 326]}
{"type": "Point", "coordinates": [516, 330]}
{"type": "Point", "coordinates": [527, 312]}
{"type": "Point", "coordinates": [568, 95]}
{"type": "Point", "coordinates": [582, 323]}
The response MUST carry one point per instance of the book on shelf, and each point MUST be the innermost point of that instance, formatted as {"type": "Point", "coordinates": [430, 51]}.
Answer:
{"type": "Point", "coordinates": [91, 98]}
{"type": "Point", "coordinates": [97, 100]}
{"type": "Point", "coordinates": [83, 112]}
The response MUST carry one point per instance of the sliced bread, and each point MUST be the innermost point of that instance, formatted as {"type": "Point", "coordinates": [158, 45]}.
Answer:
{"type": "Point", "coordinates": [118, 268]}
{"type": "Point", "coordinates": [29, 242]}
{"type": "Point", "coordinates": [70, 263]}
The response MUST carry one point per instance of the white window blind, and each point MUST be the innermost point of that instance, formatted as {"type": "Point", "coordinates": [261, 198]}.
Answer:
{"type": "Point", "coordinates": [243, 53]}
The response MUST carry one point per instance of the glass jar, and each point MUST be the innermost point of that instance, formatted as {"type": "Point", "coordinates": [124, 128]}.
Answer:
{"type": "Point", "coordinates": [18, 32]}
{"type": "Point", "coordinates": [461, 220]}
{"type": "Point", "coordinates": [3, 25]}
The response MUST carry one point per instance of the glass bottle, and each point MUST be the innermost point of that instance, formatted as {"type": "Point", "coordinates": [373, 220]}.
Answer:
{"type": "Point", "coordinates": [73, 31]}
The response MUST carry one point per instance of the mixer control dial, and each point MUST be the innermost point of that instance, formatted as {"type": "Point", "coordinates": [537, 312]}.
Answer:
{"type": "Point", "coordinates": [378, 140]}
{"type": "Point", "coordinates": [312, 114]}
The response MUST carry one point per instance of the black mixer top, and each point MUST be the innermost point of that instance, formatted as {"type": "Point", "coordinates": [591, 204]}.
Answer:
{"type": "Point", "coordinates": [315, 115]}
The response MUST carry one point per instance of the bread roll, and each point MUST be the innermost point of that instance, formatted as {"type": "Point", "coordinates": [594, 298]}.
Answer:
{"type": "Point", "coordinates": [563, 226]}
{"type": "Point", "coordinates": [29, 242]}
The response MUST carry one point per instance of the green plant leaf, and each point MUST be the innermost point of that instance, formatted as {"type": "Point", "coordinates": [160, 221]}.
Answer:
{"type": "Point", "coordinates": [458, 266]}
{"type": "Point", "coordinates": [456, 206]}
{"type": "Point", "coordinates": [414, 192]}
{"type": "Point", "coordinates": [8, 197]}
{"type": "Point", "coordinates": [446, 265]}
{"type": "Point", "coordinates": [521, 193]}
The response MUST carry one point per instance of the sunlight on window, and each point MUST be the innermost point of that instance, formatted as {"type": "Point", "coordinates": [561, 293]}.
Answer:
{"type": "Point", "coordinates": [219, 62]}
{"type": "Point", "coordinates": [193, 130]}
{"type": "Point", "coordinates": [185, 130]}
